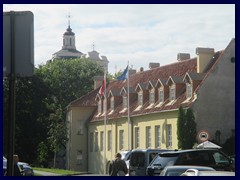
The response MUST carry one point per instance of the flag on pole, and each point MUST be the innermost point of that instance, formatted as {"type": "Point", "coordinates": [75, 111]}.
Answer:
{"type": "Point", "coordinates": [102, 89]}
{"type": "Point", "coordinates": [124, 75]}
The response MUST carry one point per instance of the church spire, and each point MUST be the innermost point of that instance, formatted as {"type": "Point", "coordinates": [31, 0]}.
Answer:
{"type": "Point", "coordinates": [69, 16]}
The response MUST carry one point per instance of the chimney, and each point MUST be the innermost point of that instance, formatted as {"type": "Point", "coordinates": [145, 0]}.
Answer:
{"type": "Point", "coordinates": [154, 65]}
{"type": "Point", "coordinates": [97, 81]}
{"type": "Point", "coordinates": [141, 69]}
{"type": "Point", "coordinates": [183, 56]}
{"type": "Point", "coordinates": [132, 71]}
{"type": "Point", "coordinates": [204, 55]}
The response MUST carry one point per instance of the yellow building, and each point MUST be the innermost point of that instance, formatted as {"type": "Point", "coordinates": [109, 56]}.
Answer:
{"type": "Point", "coordinates": [205, 83]}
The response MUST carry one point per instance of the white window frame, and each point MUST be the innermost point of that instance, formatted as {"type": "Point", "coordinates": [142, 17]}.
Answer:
{"type": "Point", "coordinates": [161, 95]}
{"type": "Point", "coordinates": [152, 96]}
{"type": "Point", "coordinates": [96, 142]}
{"type": "Point", "coordinates": [172, 93]}
{"type": "Point", "coordinates": [158, 136]}
{"type": "Point", "coordinates": [121, 139]}
{"type": "Point", "coordinates": [124, 102]}
{"type": "Point", "coordinates": [189, 90]}
{"type": "Point", "coordinates": [148, 137]}
{"type": "Point", "coordinates": [101, 140]}
{"type": "Point", "coordinates": [140, 98]}
{"type": "Point", "coordinates": [109, 140]}
{"type": "Point", "coordinates": [99, 106]}
{"type": "Point", "coordinates": [137, 137]}
{"type": "Point", "coordinates": [112, 104]}
{"type": "Point", "coordinates": [169, 135]}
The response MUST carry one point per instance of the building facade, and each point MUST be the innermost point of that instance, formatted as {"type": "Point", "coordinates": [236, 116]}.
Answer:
{"type": "Point", "coordinates": [206, 84]}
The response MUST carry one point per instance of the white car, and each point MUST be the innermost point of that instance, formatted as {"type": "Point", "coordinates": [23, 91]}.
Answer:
{"type": "Point", "coordinates": [195, 172]}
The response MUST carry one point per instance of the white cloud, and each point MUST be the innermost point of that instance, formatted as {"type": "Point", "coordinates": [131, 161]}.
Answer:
{"type": "Point", "coordinates": [132, 32]}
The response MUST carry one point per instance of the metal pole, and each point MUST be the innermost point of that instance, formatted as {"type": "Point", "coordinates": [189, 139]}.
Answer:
{"type": "Point", "coordinates": [105, 121]}
{"type": "Point", "coordinates": [129, 135]}
{"type": "Point", "coordinates": [11, 106]}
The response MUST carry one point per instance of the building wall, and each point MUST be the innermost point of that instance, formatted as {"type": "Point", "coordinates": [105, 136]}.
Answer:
{"type": "Point", "coordinates": [215, 106]}
{"type": "Point", "coordinates": [77, 151]}
{"type": "Point", "coordinates": [95, 160]}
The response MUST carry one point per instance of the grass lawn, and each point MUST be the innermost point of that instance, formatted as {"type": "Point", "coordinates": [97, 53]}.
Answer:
{"type": "Point", "coordinates": [57, 171]}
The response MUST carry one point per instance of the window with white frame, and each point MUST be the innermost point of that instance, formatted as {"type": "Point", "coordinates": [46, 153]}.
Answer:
{"type": "Point", "coordinates": [157, 137]}
{"type": "Point", "coordinates": [137, 137]}
{"type": "Point", "coordinates": [101, 140]}
{"type": "Point", "coordinates": [109, 140]}
{"type": "Point", "coordinates": [161, 95]}
{"type": "Point", "coordinates": [152, 96]}
{"type": "Point", "coordinates": [169, 135]}
{"type": "Point", "coordinates": [124, 102]}
{"type": "Point", "coordinates": [104, 105]}
{"type": "Point", "coordinates": [91, 142]}
{"type": "Point", "coordinates": [96, 142]}
{"type": "Point", "coordinates": [112, 104]}
{"type": "Point", "coordinates": [140, 98]}
{"type": "Point", "coordinates": [148, 137]}
{"type": "Point", "coordinates": [172, 93]}
{"type": "Point", "coordinates": [99, 106]}
{"type": "Point", "coordinates": [189, 90]}
{"type": "Point", "coordinates": [121, 139]}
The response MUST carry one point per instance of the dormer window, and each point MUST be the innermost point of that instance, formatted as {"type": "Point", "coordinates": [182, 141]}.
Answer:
{"type": "Point", "coordinates": [112, 104]}
{"type": "Point", "coordinates": [124, 102]}
{"type": "Point", "coordinates": [161, 95]}
{"type": "Point", "coordinates": [189, 90]}
{"type": "Point", "coordinates": [152, 96]}
{"type": "Point", "coordinates": [172, 93]}
{"type": "Point", "coordinates": [104, 105]}
{"type": "Point", "coordinates": [99, 107]}
{"type": "Point", "coordinates": [140, 99]}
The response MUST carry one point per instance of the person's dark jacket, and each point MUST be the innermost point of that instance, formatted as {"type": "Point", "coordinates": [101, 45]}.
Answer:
{"type": "Point", "coordinates": [117, 165]}
{"type": "Point", "coordinates": [17, 170]}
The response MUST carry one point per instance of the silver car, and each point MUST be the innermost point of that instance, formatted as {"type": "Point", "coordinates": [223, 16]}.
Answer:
{"type": "Point", "coordinates": [178, 170]}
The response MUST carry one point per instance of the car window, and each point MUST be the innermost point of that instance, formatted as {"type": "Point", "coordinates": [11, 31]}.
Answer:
{"type": "Point", "coordinates": [137, 159]}
{"type": "Point", "coordinates": [220, 158]}
{"type": "Point", "coordinates": [164, 160]}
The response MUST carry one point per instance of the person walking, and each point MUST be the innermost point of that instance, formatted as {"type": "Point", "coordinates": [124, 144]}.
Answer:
{"type": "Point", "coordinates": [17, 169]}
{"type": "Point", "coordinates": [118, 166]}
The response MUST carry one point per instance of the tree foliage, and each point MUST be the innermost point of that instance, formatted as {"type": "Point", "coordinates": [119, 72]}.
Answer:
{"type": "Point", "coordinates": [40, 106]}
{"type": "Point", "coordinates": [186, 129]}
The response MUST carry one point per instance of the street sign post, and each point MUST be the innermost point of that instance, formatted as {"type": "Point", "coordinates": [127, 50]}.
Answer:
{"type": "Point", "coordinates": [18, 61]}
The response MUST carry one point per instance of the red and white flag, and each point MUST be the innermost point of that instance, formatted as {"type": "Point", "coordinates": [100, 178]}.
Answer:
{"type": "Point", "coordinates": [101, 90]}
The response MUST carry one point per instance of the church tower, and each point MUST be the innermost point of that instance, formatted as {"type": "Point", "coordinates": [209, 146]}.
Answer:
{"type": "Point", "coordinates": [68, 50]}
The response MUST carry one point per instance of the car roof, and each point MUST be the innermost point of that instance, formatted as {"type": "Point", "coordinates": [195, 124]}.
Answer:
{"type": "Point", "coordinates": [156, 150]}
{"type": "Point", "coordinates": [187, 150]}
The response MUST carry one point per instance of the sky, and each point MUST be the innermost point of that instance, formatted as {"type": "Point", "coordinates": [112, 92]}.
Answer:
{"type": "Point", "coordinates": [137, 34]}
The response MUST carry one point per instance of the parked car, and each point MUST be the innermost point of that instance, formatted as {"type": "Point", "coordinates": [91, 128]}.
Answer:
{"type": "Point", "coordinates": [178, 170]}
{"type": "Point", "coordinates": [27, 170]}
{"type": "Point", "coordinates": [195, 172]}
{"type": "Point", "coordinates": [4, 165]}
{"type": "Point", "coordinates": [140, 159]}
{"type": "Point", "coordinates": [201, 157]}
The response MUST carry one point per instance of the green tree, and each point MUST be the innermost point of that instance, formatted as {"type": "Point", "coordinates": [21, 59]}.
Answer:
{"type": "Point", "coordinates": [180, 128]}
{"type": "Point", "coordinates": [186, 129]}
{"type": "Point", "coordinates": [191, 132]}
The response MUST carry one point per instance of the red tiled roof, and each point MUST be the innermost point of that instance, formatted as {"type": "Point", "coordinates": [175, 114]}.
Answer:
{"type": "Point", "coordinates": [174, 70]}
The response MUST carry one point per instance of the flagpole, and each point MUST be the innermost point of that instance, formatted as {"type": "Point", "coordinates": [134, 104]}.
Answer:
{"type": "Point", "coordinates": [105, 122]}
{"type": "Point", "coordinates": [129, 137]}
